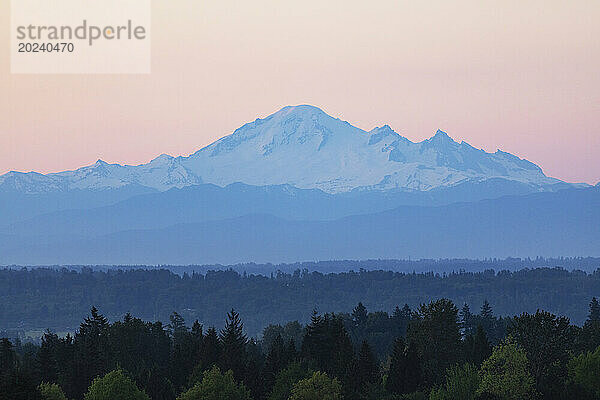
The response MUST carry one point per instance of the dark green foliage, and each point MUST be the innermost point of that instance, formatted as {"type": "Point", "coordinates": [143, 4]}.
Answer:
{"type": "Point", "coordinates": [51, 391]}
{"type": "Point", "coordinates": [462, 382]}
{"type": "Point", "coordinates": [92, 351]}
{"type": "Point", "coordinates": [58, 299]}
{"type": "Point", "coordinates": [590, 335]}
{"type": "Point", "coordinates": [327, 347]}
{"type": "Point", "coordinates": [405, 374]}
{"type": "Point", "coordinates": [157, 385]}
{"type": "Point", "coordinates": [594, 315]}
{"type": "Point", "coordinates": [477, 347]}
{"type": "Point", "coordinates": [413, 396]}
{"type": "Point", "coordinates": [217, 386]}
{"type": "Point", "coordinates": [465, 320]}
{"type": "Point", "coordinates": [8, 358]}
{"type": "Point", "coordinates": [290, 332]}
{"type": "Point", "coordinates": [211, 349]}
{"type": "Point", "coordinates": [114, 386]}
{"type": "Point", "coordinates": [255, 365]}
{"type": "Point", "coordinates": [286, 379]}
{"type": "Point", "coordinates": [435, 335]}
{"type": "Point", "coordinates": [185, 350]}
{"type": "Point", "coordinates": [494, 328]}
{"type": "Point", "coordinates": [547, 341]}
{"type": "Point", "coordinates": [367, 370]}
{"type": "Point", "coordinates": [584, 375]}
{"type": "Point", "coordinates": [543, 354]}
{"type": "Point", "coordinates": [318, 387]}
{"type": "Point", "coordinates": [359, 316]}
{"type": "Point", "coordinates": [505, 375]}
{"type": "Point", "coordinates": [378, 328]}
{"type": "Point", "coordinates": [16, 382]}
{"type": "Point", "coordinates": [233, 344]}
{"type": "Point", "coordinates": [47, 357]}
{"type": "Point", "coordinates": [365, 374]}
{"type": "Point", "coordinates": [486, 312]}
{"type": "Point", "coordinates": [402, 318]}
{"type": "Point", "coordinates": [278, 358]}
{"type": "Point", "coordinates": [139, 347]}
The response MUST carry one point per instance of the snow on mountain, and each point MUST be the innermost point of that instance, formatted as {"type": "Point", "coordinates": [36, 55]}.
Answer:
{"type": "Point", "coordinates": [162, 173]}
{"type": "Point", "coordinates": [304, 147]}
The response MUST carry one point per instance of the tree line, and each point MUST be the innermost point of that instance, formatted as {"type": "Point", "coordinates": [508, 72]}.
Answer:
{"type": "Point", "coordinates": [435, 351]}
{"type": "Point", "coordinates": [35, 299]}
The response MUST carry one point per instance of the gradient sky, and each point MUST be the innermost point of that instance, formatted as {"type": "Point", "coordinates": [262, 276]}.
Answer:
{"type": "Point", "coordinates": [523, 76]}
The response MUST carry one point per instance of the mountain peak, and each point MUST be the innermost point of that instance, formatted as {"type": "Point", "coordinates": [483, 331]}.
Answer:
{"type": "Point", "coordinates": [162, 158]}
{"type": "Point", "coordinates": [441, 134]}
{"type": "Point", "coordinates": [440, 138]}
{"type": "Point", "coordinates": [384, 128]}
{"type": "Point", "coordinates": [302, 146]}
{"type": "Point", "coordinates": [301, 108]}
{"type": "Point", "coordinates": [301, 111]}
{"type": "Point", "coordinates": [381, 132]}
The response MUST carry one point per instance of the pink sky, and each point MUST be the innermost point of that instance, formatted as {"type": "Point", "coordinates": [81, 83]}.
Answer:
{"type": "Point", "coordinates": [520, 76]}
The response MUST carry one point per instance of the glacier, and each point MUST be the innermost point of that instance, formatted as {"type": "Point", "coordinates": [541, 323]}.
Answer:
{"type": "Point", "coordinates": [304, 147]}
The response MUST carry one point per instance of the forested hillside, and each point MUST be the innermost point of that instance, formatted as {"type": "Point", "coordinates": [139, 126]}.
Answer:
{"type": "Point", "coordinates": [35, 299]}
{"type": "Point", "coordinates": [433, 352]}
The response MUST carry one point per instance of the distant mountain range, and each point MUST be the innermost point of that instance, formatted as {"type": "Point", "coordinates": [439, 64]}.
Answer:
{"type": "Point", "coordinates": [565, 223]}
{"type": "Point", "coordinates": [298, 185]}
{"type": "Point", "coordinates": [303, 147]}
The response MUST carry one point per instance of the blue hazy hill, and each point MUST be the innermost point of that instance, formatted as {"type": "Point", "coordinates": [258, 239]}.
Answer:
{"type": "Point", "coordinates": [564, 223]}
{"type": "Point", "coordinates": [210, 202]}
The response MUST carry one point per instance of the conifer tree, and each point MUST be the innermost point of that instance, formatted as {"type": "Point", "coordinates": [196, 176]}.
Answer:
{"type": "Point", "coordinates": [481, 348]}
{"type": "Point", "coordinates": [183, 351]}
{"type": "Point", "coordinates": [157, 385]}
{"type": "Point", "coordinates": [46, 357]}
{"type": "Point", "coordinates": [196, 341]}
{"type": "Point", "coordinates": [548, 342]}
{"type": "Point", "coordinates": [253, 377]}
{"type": "Point", "coordinates": [290, 351]}
{"type": "Point", "coordinates": [590, 335]}
{"type": "Point", "coordinates": [277, 359]}
{"type": "Point", "coordinates": [177, 325]}
{"type": "Point", "coordinates": [401, 318]}
{"type": "Point", "coordinates": [486, 311]}
{"type": "Point", "coordinates": [359, 315]}
{"type": "Point", "coordinates": [92, 350]}
{"type": "Point", "coordinates": [327, 346]}
{"type": "Point", "coordinates": [8, 358]}
{"type": "Point", "coordinates": [435, 336]}
{"type": "Point", "coordinates": [233, 342]}
{"type": "Point", "coordinates": [465, 320]}
{"type": "Point", "coordinates": [405, 371]}
{"type": "Point", "coordinates": [211, 349]}
{"type": "Point", "coordinates": [367, 371]}
{"type": "Point", "coordinates": [594, 315]}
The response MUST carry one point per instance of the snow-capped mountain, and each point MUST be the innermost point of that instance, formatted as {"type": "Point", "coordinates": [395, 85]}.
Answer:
{"type": "Point", "coordinates": [162, 173]}
{"type": "Point", "coordinates": [304, 147]}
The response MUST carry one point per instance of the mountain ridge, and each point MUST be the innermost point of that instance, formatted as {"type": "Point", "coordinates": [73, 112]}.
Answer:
{"type": "Point", "coordinates": [564, 223]}
{"type": "Point", "coordinates": [306, 148]}
{"type": "Point", "coordinates": [208, 201]}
